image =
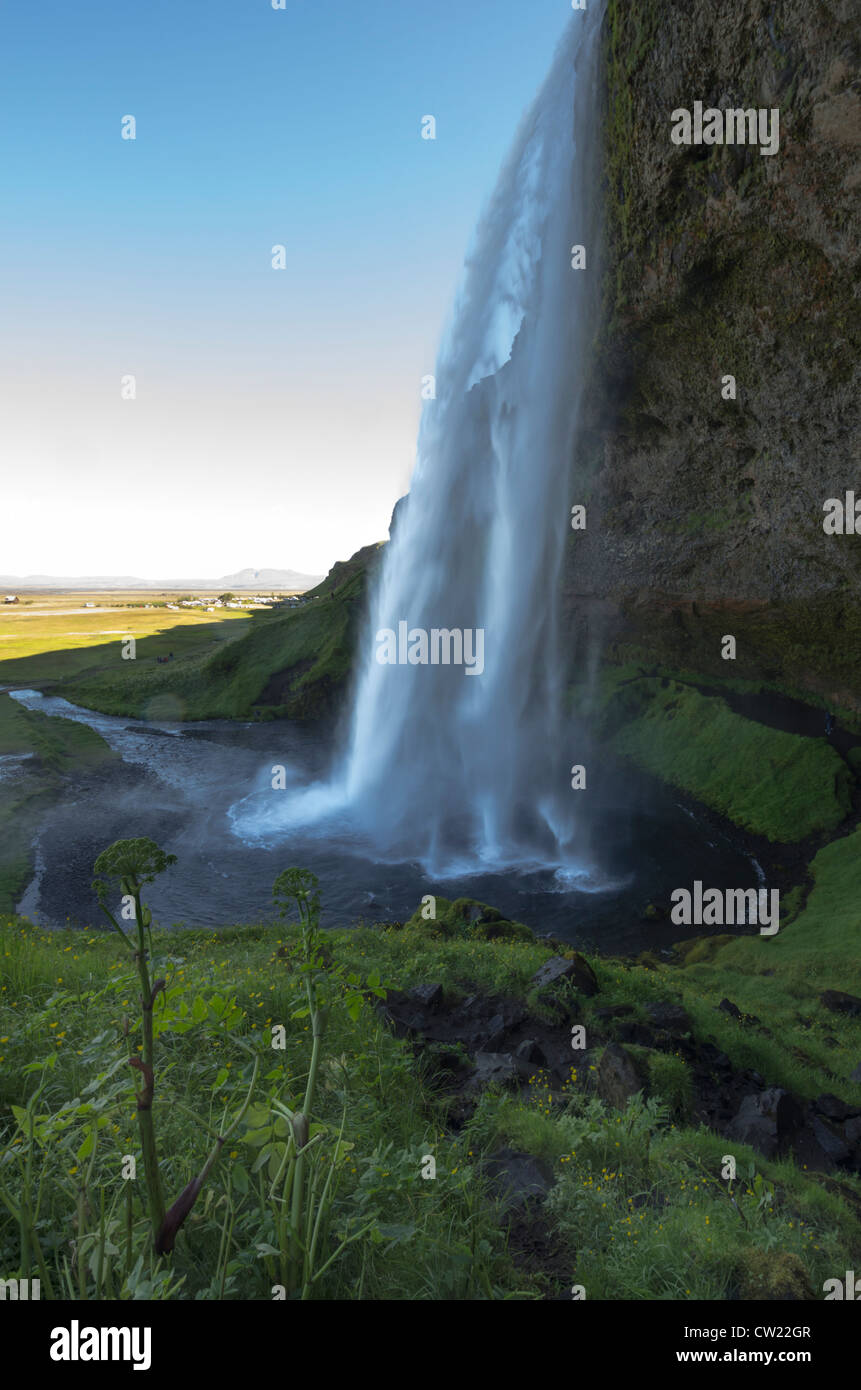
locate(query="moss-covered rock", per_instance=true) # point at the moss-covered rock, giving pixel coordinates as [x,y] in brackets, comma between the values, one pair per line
[705,513]
[773,1275]
[467,917]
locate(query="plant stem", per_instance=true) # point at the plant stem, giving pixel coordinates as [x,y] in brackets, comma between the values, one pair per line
[145,1095]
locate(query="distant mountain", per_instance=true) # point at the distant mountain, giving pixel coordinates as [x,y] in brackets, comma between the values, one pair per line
[243,579]
[266,579]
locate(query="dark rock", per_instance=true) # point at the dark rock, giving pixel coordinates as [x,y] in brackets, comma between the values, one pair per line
[518,1178]
[614,1011]
[576,969]
[766,1120]
[841,1003]
[856,1074]
[852,1130]
[497,1068]
[635,1033]
[728,1007]
[834,1108]
[618,1076]
[428,996]
[529,1051]
[672,1018]
[829,1140]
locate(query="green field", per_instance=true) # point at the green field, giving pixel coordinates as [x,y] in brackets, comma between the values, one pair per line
[46,642]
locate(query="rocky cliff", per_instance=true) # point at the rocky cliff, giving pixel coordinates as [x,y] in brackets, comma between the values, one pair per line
[705,514]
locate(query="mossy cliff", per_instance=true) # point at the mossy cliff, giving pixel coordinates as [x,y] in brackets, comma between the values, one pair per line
[705,514]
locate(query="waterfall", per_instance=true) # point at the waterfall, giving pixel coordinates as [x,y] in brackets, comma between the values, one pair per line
[464,769]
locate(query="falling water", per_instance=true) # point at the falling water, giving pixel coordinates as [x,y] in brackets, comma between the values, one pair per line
[462,769]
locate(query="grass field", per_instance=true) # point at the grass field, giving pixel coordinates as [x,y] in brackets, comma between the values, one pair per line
[50,639]
[53,638]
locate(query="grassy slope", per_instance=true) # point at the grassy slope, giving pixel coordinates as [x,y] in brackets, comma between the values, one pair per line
[638,1204]
[771,783]
[57,747]
[293,664]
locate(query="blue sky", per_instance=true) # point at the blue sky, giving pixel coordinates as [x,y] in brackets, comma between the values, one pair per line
[276,411]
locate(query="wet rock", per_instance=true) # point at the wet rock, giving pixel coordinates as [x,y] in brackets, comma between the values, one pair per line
[766,1120]
[670,1017]
[841,1003]
[618,1076]
[576,969]
[519,1179]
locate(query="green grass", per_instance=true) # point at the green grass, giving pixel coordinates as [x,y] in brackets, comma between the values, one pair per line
[294,665]
[772,783]
[56,747]
[639,1206]
[54,647]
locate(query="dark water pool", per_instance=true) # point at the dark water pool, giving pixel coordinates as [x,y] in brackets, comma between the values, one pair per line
[176,784]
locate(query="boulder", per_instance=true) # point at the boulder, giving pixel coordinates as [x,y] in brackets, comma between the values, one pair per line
[518,1179]
[575,968]
[766,1120]
[670,1017]
[772,1275]
[829,1141]
[834,1108]
[841,1003]
[498,1069]
[427,996]
[618,1076]
[852,1130]
[728,1007]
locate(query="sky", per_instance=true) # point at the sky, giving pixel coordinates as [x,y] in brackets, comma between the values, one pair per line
[275,411]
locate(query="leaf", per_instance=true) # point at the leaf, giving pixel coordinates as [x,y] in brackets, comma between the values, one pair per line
[87,1146]
[275,1157]
[258,1136]
[397,1232]
[240,1178]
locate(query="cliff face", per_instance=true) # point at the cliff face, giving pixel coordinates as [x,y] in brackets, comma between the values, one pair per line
[706,514]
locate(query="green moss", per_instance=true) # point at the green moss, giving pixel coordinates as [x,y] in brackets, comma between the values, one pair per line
[468,919]
[775,1276]
[670,1081]
[772,783]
